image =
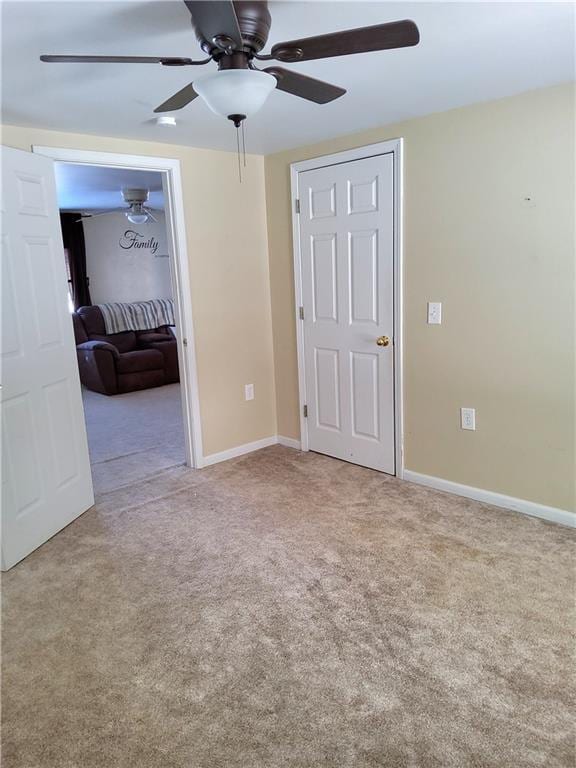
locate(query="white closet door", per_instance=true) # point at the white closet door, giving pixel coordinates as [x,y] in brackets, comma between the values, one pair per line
[347,251]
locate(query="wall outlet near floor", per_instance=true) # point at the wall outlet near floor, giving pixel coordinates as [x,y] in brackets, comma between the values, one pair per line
[434,313]
[468,418]
[249,391]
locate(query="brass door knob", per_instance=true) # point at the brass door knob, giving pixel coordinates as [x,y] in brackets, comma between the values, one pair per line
[383,341]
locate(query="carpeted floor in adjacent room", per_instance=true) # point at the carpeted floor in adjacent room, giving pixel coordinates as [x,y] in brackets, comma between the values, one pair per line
[134,435]
[286,610]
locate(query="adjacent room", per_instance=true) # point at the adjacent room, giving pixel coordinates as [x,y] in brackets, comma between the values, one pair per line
[288,384]
[121,298]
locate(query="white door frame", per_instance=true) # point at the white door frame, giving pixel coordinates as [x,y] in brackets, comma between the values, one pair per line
[394,147]
[176,236]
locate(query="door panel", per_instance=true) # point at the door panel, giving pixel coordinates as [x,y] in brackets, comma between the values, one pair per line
[347,251]
[323,250]
[363,195]
[43,305]
[327,376]
[322,202]
[46,469]
[21,457]
[61,422]
[364,395]
[363,277]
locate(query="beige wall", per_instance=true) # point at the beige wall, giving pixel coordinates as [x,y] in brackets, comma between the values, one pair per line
[227,250]
[504,272]
[505,275]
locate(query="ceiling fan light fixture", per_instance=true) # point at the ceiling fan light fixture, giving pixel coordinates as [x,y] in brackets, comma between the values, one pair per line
[137,218]
[137,214]
[235,91]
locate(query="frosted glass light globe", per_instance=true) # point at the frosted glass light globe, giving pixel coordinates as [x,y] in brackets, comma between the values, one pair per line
[137,218]
[235,91]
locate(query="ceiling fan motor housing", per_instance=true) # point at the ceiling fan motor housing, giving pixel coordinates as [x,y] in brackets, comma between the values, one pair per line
[132,196]
[254,21]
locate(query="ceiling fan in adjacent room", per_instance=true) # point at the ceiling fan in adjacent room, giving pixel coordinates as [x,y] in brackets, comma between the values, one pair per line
[232,34]
[136,213]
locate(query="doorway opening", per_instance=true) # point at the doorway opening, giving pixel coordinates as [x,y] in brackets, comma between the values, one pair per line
[121,297]
[169,169]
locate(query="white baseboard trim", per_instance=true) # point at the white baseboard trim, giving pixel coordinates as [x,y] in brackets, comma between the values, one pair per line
[239,450]
[553,514]
[289,442]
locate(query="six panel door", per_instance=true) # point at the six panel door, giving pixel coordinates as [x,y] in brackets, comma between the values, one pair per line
[347,251]
[46,479]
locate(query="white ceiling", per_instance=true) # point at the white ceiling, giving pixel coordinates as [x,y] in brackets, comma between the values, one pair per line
[468,52]
[92,187]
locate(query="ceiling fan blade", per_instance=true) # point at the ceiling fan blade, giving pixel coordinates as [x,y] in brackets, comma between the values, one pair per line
[304,86]
[216,22]
[395,34]
[179,100]
[91,215]
[167,61]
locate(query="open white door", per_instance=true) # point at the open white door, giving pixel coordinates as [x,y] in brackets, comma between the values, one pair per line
[46,480]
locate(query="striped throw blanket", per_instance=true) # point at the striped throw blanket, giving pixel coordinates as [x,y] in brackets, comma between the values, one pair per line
[137,315]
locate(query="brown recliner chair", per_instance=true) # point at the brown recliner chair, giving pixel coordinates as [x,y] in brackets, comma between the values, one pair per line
[163,340]
[122,362]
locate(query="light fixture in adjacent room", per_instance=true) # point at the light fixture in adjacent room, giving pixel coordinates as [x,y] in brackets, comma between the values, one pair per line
[138,211]
[137,214]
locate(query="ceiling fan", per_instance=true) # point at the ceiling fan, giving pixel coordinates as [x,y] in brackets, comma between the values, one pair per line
[232,34]
[137,212]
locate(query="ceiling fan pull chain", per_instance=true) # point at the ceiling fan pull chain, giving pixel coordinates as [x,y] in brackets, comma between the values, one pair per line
[238,152]
[243,144]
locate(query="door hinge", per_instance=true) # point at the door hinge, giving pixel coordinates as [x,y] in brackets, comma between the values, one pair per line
[297,205]
[185,342]
[301,313]
[305,410]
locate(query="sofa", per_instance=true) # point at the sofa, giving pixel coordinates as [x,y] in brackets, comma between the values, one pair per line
[122,362]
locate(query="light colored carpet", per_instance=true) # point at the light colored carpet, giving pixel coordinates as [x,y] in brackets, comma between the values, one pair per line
[133,436]
[286,610]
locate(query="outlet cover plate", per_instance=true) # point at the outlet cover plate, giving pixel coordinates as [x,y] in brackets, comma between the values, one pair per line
[434,313]
[468,418]
[249,391]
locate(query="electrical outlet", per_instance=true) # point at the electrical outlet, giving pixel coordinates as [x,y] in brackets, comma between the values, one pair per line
[468,418]
[249,391]
[434,313]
